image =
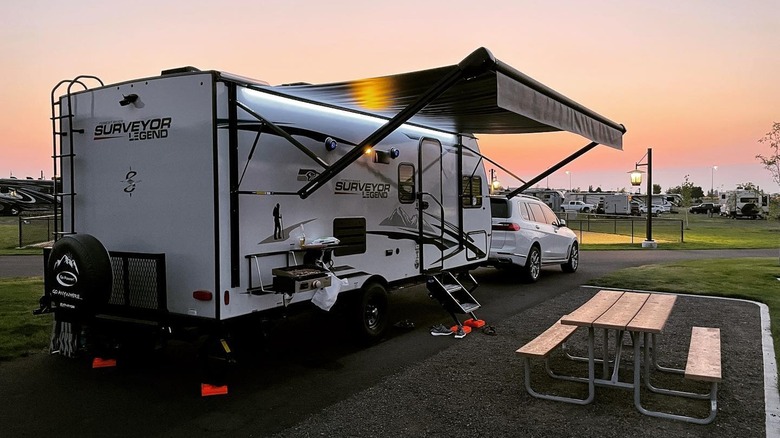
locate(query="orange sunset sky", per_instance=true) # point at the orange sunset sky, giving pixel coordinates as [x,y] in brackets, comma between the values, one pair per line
[696,80]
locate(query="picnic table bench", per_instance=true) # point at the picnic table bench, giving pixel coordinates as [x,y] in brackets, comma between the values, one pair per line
[643,316]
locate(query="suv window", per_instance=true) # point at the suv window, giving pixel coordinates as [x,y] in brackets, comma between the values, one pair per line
[499,207]
[524,211]
[536,212]
[549,216]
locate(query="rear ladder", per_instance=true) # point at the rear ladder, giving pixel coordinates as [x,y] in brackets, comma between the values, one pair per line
[63,154]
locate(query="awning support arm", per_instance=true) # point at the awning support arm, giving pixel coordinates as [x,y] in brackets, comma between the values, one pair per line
[493,163]
[553,169]
[284,135]
[478,62]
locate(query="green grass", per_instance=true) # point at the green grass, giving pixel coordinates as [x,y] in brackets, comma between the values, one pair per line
[748,278]
[22,333]
[9,238]
[699,232]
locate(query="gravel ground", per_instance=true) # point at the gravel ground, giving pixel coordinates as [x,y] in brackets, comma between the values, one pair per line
[476,387]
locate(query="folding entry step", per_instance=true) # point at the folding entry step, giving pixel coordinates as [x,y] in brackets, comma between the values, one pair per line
[454,294]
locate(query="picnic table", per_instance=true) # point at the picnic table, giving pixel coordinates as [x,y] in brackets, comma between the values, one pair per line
[642,316]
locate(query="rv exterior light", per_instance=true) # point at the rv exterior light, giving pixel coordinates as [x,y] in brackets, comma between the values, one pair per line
[127,100]
[368,150]
[394,153]
[330,144]
[203,295]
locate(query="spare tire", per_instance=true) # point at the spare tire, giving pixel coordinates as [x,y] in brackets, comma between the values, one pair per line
[78,275]
[750,209]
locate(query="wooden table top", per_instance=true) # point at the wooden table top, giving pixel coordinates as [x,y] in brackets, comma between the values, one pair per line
[623,310]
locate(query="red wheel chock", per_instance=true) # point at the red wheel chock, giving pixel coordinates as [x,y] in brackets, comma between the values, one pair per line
[207,389]
[474,323]
[99,362]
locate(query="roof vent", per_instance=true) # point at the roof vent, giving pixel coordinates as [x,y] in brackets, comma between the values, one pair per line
[179,70]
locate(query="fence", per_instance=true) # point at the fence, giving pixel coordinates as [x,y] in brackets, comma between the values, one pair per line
[35,229]
[623,229]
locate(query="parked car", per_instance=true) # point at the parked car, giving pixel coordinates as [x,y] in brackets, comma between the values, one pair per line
[527,234]
[577,206]
[655,209]
[706,207]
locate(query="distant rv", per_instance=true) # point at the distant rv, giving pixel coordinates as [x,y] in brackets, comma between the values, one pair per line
[19,196]
[744,203]
[553,198]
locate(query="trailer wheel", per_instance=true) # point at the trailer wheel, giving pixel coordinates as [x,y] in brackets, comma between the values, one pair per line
[574,259]
[79,276]
[371,312]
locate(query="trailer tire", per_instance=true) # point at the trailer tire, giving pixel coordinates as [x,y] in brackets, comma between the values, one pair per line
[370,312]
[78,275]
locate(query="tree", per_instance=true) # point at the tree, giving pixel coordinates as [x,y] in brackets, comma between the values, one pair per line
[656,189]
[748,186]
[772,161]
[688,191]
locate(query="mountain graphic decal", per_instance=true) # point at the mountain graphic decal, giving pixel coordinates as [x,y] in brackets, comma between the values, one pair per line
[400,218]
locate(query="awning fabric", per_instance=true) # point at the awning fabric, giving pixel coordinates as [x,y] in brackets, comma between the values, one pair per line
[500,101]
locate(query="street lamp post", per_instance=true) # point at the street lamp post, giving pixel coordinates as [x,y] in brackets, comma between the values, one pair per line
[636,179]
[569,173]
[712,181]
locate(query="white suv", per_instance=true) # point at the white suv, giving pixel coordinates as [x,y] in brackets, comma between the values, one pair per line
[527,234]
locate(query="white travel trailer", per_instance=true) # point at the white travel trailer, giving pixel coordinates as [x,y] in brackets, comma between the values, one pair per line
[619,203]
[744,203]
[196,198]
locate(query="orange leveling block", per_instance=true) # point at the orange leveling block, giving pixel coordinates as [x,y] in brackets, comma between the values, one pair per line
[466,329]
[99,362]
[474,323]
[208,389]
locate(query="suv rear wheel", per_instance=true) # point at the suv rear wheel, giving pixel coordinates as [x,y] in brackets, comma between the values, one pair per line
[574,259]
[533,265]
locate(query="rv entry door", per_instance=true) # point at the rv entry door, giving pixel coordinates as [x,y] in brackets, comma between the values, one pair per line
[430,208]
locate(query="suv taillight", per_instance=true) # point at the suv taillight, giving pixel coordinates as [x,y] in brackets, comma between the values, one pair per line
[506,226]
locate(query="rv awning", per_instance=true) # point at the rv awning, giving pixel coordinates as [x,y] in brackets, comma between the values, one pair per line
[499,101]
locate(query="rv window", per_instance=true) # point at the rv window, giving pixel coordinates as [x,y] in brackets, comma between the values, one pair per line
[472,192]
[351,232]
[406,183]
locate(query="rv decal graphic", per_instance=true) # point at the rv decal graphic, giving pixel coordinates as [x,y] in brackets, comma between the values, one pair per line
[289,128]
[130,182]
[67,277]
[366,190]
[400,218]
[285,231]
[147,129]
[307,174]
[449,238]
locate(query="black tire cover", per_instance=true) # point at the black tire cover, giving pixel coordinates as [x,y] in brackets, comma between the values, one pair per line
[79,276]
